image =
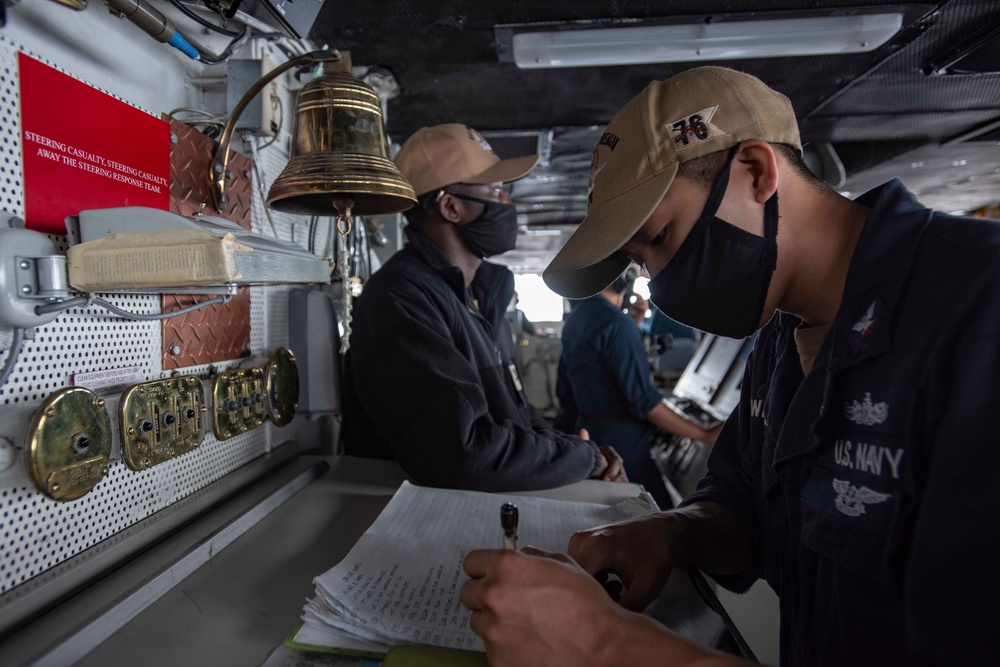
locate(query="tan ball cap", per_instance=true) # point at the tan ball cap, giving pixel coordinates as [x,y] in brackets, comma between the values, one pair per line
[697,112]
[454,153]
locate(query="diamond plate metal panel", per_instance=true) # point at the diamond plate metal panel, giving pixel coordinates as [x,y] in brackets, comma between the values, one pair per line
[190,159]
[221,332]
[214,333]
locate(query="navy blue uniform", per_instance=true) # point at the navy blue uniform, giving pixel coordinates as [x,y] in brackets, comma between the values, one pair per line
[604,386]
[871,488]
[430,381]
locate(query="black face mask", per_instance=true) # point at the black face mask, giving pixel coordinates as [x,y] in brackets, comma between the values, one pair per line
[494,232]
[718,280]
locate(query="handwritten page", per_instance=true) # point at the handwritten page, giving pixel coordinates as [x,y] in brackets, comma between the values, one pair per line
[400,582]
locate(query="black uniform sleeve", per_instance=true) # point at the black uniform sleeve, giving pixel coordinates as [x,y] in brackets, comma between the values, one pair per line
[428,402]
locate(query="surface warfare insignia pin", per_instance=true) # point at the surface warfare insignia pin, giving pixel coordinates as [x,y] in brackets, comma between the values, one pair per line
[863,327]
[851,500]
[693,129]
[865,412]
[871,328]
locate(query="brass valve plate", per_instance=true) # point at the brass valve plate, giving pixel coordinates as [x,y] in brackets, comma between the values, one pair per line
[68,443]
[160,420]
[239,402]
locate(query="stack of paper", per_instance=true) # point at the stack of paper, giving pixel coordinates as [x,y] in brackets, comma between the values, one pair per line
[400,582]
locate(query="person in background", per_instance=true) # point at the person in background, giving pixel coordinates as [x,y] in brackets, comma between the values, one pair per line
[603,385]
[858,474]
[637,308]
[430,378]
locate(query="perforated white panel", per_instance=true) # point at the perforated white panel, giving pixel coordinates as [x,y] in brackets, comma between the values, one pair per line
[11,192]
[37,533]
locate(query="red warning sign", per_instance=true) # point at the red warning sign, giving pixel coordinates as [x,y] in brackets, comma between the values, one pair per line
[83,149]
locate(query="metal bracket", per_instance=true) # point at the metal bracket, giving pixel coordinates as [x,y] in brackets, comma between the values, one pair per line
[225,289]
[43,277]
[30,270]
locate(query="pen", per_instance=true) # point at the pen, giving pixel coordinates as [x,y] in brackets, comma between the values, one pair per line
[508,521]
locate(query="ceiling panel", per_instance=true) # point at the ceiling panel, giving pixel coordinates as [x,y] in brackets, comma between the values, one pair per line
[879,109]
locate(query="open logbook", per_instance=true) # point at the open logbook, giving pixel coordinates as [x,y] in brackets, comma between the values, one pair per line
[399,584]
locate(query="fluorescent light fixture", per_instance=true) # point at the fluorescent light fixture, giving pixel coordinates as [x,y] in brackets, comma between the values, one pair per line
[582,45]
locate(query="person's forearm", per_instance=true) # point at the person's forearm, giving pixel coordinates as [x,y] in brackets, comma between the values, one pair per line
[640,640]
[668,420]
[708,536]
[510,457]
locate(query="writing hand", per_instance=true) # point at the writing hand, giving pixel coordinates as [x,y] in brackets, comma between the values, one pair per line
[537,608]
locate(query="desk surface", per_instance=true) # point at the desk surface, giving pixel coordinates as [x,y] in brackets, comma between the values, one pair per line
[244,601]
[238,606]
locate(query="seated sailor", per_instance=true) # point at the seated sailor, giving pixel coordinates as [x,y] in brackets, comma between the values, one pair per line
[430,378]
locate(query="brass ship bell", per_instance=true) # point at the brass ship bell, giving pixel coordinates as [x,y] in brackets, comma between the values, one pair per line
[340,156]
[340,151]
[340,162]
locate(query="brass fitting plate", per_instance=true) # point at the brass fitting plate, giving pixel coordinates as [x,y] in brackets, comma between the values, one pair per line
[68,443]
[160,420]
[239,402]
[282,386]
